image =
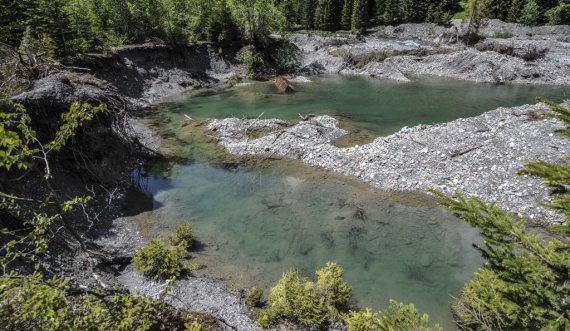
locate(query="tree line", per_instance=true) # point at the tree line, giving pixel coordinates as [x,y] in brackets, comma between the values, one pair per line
[69,27]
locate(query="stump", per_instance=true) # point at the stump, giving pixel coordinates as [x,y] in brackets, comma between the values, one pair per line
[283,85]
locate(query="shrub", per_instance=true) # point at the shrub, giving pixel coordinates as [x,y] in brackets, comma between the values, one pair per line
[252,58]
[195,326]
[253,296]
[183,235]
[503,34]
[155,259]
[30,303]
[297,300]
[397,316]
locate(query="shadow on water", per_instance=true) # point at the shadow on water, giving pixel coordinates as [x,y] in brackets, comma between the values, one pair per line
[256,218]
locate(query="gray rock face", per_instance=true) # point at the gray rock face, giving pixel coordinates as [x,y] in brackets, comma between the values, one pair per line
[476,156]
[512,53]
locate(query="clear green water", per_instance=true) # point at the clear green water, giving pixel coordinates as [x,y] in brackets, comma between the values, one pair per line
[380,106]
[254,225]
[256,222]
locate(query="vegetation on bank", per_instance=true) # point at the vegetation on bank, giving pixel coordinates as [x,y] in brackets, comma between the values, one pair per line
[297,301]
[157,259]
[66,28]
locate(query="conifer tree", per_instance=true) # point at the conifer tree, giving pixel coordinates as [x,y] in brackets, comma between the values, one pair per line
[515,12]
[524,284]
[308,9]
[327,15]
[346,19]
[360,16]
[391,12]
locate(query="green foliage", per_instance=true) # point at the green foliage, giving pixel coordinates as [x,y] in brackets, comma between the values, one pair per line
[360,16]
[252,58]
[157,260]
[297,300]
[327,15]
[183,235]
[195,326]
[31,303]
[220,26]
[531,13]
[346,15]
[524,284]
[397,316]
[559,15]
[253,296]
[257,18]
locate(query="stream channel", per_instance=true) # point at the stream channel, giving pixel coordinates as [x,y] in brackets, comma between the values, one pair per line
[256,219]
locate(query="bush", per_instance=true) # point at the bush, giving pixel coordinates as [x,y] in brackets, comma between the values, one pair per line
[559,15]
[252,58]
[297,300]
[157,260]
[503,34]
[397,316]
[253,297]
[30,303]
[183,236]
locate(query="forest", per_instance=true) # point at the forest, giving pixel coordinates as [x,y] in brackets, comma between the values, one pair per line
[66,28]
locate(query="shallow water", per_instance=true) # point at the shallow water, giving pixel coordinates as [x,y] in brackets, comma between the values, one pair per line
[254,225]
[380,106]
[255,222]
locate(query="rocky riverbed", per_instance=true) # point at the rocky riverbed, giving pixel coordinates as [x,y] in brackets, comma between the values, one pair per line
[476,156]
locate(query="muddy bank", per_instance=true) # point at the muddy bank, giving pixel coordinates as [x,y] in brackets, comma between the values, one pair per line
[476,156]
[511,53]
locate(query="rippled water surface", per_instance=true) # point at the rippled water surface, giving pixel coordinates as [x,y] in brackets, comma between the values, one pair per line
[377,105]
[256,222]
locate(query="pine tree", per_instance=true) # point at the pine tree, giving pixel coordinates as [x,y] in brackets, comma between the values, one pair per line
[531,13]
[524,284]
[515,12]
[346,17]
[392,13]
[13,17]
[308,9]
[360,16]
[327,15]
[48,18]
[380,8]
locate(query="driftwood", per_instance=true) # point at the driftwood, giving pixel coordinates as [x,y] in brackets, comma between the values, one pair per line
[283,85]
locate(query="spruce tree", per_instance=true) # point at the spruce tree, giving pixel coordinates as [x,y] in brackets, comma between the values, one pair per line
[327,15]
[391,12]
[531,13]
[524,284]
[380,8]
[515,12]
[346,19]
[48,19]
[13,17]
[308,9]
[360,16]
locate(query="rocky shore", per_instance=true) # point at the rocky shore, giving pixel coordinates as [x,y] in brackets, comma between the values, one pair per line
[476,156]
[511,53]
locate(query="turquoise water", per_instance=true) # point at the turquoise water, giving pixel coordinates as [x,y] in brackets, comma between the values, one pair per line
[254,225]
[377,105]
[257,221]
